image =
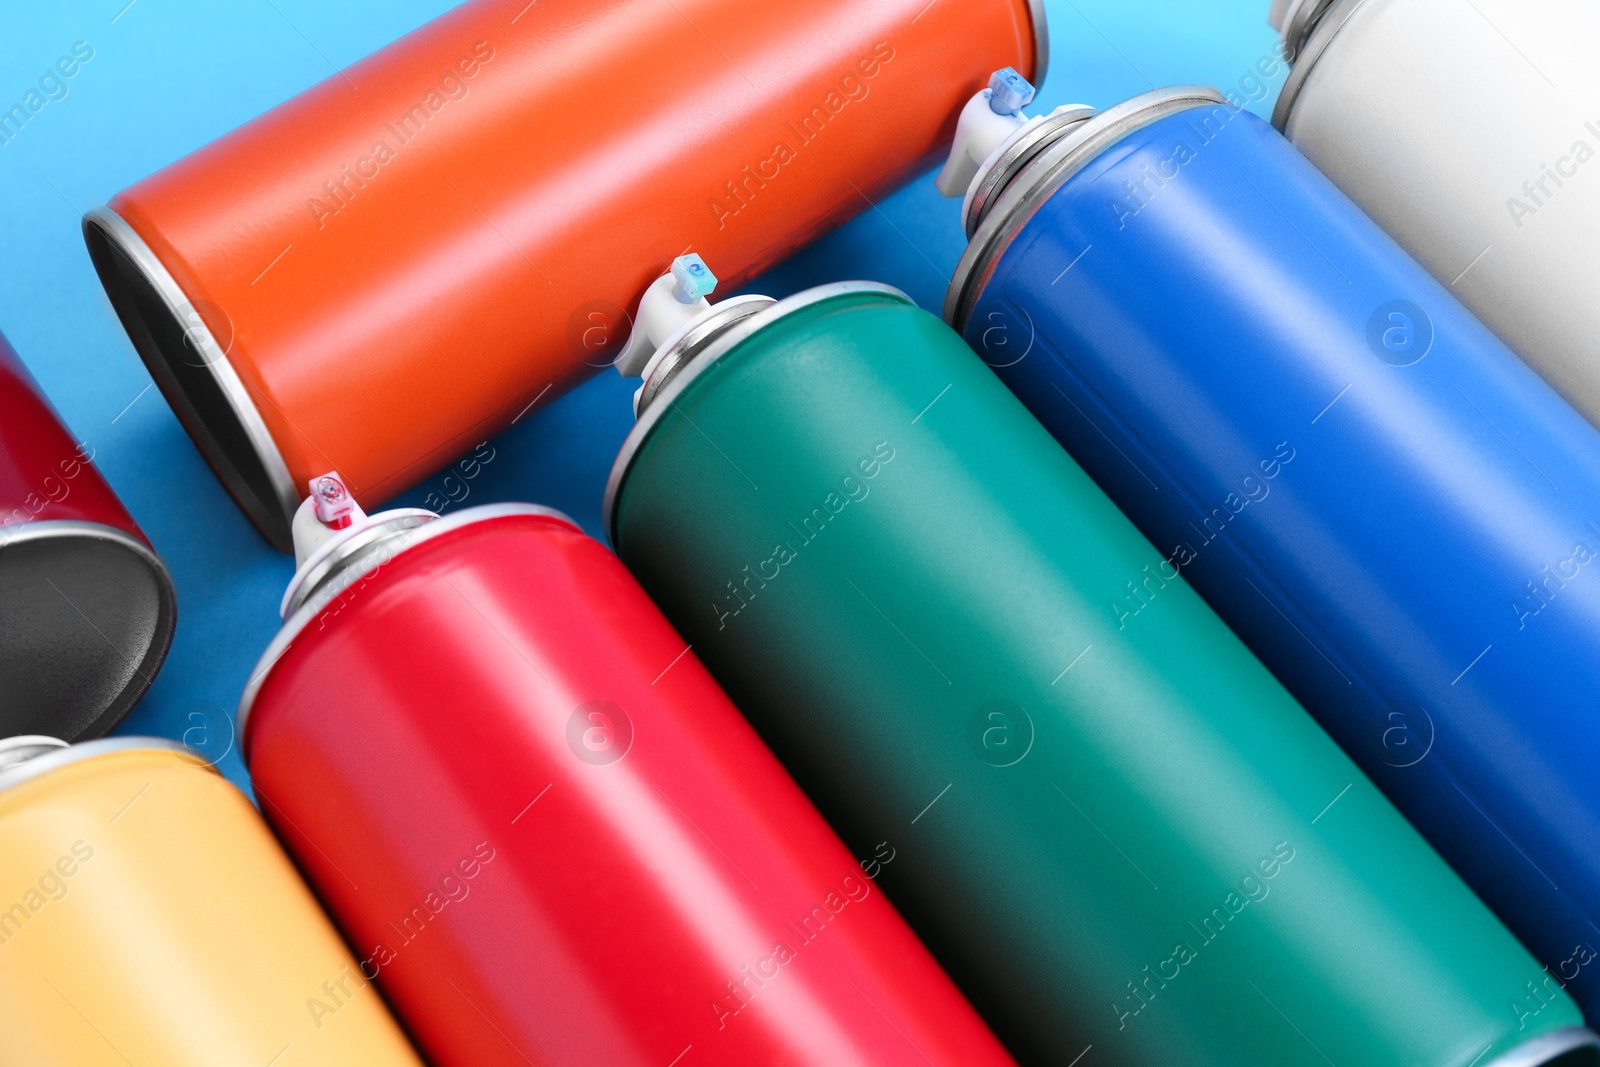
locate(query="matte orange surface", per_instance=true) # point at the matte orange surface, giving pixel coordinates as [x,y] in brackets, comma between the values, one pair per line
[147,916]
[412,252]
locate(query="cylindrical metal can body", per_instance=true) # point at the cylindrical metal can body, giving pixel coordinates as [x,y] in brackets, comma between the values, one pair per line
[1124,838]
[398,262]
[1468,131]
[149,917]
[1388,506]
[554,840]
[87,609]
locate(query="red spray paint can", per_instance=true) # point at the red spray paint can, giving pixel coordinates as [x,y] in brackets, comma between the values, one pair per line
[547,833]
[86,607]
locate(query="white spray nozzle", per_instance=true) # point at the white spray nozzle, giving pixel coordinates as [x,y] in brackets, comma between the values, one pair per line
[988,120]
[671,303]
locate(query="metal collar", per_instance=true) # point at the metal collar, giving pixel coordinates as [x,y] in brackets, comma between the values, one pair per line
[1300,23]
[1309,34]
[56,758]
[372,552]
[665,365]
[1548,1048]
[344,553]
[1075,148]
[714,348]
[1015,157]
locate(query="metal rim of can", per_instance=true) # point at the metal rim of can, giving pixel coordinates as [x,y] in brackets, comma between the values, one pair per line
[1016,156]
[720,345]
[338,555]
[166,612]
[15,751]
[40,766]
[1547,1048]
[358,566]
[1301,22]
[1314,34]
[205,396]
[1075,149]
[1041,40]
[665,364]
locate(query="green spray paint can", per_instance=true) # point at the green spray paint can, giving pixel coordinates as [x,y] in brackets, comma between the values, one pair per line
[1120,835]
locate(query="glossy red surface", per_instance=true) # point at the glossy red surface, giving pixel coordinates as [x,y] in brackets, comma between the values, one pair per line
[532,884]
[45,473]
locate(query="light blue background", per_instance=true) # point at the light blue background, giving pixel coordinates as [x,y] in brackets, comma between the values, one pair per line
[169,75]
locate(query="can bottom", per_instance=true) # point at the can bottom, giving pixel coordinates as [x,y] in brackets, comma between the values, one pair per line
[86,617]
[191,367]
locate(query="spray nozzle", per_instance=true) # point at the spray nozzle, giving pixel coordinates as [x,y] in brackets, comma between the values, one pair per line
[694,280]
[989,119]
[671,303]
[328,519]
[1009,92]
[334,504]
[325,514]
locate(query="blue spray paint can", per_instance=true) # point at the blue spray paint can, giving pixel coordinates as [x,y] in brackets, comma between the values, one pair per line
[1397,515]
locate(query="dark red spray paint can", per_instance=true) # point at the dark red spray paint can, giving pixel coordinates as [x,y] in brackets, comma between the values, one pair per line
[547,833]
[86,607]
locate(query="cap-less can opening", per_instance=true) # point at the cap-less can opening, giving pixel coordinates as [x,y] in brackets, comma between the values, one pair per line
[86,617]
[190,365]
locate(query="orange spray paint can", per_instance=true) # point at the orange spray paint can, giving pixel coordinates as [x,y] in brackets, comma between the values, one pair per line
[403,259]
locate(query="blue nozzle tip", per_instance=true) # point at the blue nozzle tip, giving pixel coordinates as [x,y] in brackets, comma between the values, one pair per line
[1009,92]
[694,278]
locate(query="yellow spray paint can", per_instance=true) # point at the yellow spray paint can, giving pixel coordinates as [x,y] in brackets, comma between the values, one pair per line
[148,917]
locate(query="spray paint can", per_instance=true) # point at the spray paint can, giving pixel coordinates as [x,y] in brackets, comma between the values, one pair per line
[86,607]
[1126,843]
[1389,507]
[147,916]
[300,288]
[1468,131]
[545,829]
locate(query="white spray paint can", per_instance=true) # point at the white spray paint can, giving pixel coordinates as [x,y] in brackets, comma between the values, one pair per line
[1470,130]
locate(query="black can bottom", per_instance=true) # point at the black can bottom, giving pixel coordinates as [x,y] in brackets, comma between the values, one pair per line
[86,618]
